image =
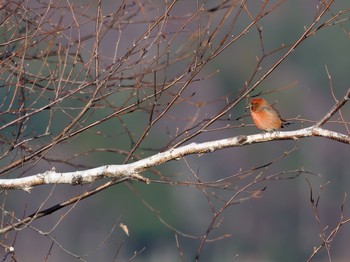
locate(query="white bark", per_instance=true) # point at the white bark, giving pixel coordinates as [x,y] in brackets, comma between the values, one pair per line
[132,171]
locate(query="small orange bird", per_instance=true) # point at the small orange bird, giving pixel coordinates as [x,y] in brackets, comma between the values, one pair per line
[265,117]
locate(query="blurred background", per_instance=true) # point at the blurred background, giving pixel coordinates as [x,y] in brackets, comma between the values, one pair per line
[279,225]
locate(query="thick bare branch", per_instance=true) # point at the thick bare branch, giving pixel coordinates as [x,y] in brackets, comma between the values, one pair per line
[132,170]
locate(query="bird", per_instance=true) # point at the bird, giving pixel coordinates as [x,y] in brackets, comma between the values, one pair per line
[265,116]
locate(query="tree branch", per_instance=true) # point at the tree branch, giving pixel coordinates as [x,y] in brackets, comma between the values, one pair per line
[334,109]
[132,171]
